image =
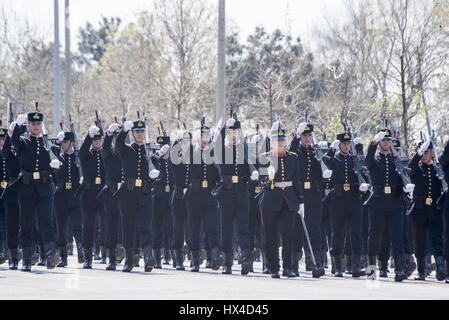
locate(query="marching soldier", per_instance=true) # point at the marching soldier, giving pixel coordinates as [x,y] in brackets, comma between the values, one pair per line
[426,216]
[134,195]
[311,180]
[346,205]
[385,205]
[444,161]
[66,204]
[34,189]
[280,200]
[3,183]
[202,207]
[232,193]
[92,165]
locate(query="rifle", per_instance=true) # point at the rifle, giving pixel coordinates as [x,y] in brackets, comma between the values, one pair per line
[164,133]
[440,169]
[99,125]
[75,145]
[319,152]
[47,143]
[148,149]
[11,114]
[357,162]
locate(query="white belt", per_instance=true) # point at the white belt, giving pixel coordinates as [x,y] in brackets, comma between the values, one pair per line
[283,184]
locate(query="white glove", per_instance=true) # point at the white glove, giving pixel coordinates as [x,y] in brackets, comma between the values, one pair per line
[180,134]
[275,126]
[128,125]
[21,119]
[92,131]
[61,136]
[154,174]
[230,122]
[255,175]
[327,174]
[13,126]
[113,127]
[301,128]
[81,180]
[379,136]
[164,149]
[301,210]
[335,144]
[424,148]
[271,172]
[409,188]
[55,164]
[364,187]
[357,140]
[323,144]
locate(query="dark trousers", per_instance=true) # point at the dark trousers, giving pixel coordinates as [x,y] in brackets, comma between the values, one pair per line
[392,221]
[203,214]
[325,227]
[32,204]
[312,218]
[346,217]
[233,209]
[2,219]
[428,222]
[12,215]
[255,224]
[161,213]
[65,210]
[179,213]
[92,211]
[275,224]
[446,234]
[136,210]
[112,222]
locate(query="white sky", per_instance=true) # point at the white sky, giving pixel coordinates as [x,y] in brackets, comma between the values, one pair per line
[296,16]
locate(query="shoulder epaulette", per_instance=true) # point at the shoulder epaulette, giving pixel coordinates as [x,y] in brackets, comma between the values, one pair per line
[291,153]
[265,153]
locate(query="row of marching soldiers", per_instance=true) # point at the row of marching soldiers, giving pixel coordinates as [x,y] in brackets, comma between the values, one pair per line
[207,190]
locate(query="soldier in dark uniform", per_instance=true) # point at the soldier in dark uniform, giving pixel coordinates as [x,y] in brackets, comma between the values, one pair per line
[134,195]
[426,215]
[280,201]
[9,197]
[385,205]
[202,207]
[181,169]
[3,183]
[66,204]
[34,188]
[311,180]
[114,179]
[444,161]
[161,199]
[346,204]
[92,165]
[232,193]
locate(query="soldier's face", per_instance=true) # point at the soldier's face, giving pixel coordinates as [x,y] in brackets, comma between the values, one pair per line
[205,138]
[427,157]
[97,143]
[2,143]
[345,146]
[185,145]
[233,136]
[385,145]
[67,146]
[139,136]
[35,128]
[279,146]
[306,139]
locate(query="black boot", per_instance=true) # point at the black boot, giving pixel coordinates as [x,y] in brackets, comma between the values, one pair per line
[51,254]
[333,265]
[136,258]
[208,259]
[63,253]
[196,259]
[295,263]
[166,256]
[399,269]
[157,256]
[2,252]
[42,260]
[34,255]
[228,260]
[179,258]
[247,262]
[87,254]
[357,270]
[265,269]
[120,253]
[318,269]
[13,259]
[97,256]
[216,258]
[148,258]
[129,260]
[348,264]
[421,269]
[173,258]
[441,274]
[324,259]
[338,267]
[104,255]
[112,265]
[79,252]
[409,264]
[447,271]
[26,259]
[383,269]
[372,267]
[309,263]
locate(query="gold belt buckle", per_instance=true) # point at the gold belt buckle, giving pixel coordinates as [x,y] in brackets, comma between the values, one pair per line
[119,184]
[387,190]
[326,192]
[429,201]
[235,179]
[167,188]
[307,185]
[36,175]
[346,187]
[4,184]
[205,184]
[138,183]
[97,180]
[257,190]
[68,185]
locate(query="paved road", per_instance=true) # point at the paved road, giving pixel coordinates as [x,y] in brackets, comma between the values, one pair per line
[75,283]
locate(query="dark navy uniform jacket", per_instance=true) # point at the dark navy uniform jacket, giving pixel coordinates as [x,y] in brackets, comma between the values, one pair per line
[383,173]
[425,178]
[287,170]
[181,172]
[92,164]
[68,172]
[33,157]
[112,163]
[166,176]
[444,160]
[9,155]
